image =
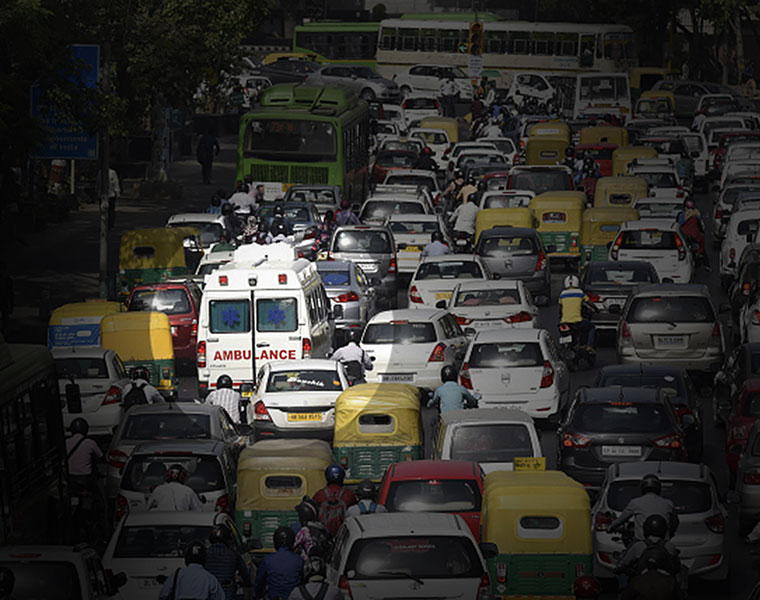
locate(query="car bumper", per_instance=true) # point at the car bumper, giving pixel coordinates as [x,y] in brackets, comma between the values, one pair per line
[708,363]
[592,476]
[429,378]
[605,320]
[539,406]
[266,430]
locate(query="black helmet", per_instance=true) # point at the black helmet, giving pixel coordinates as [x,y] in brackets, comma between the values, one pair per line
[335,474]
[569,152]
[315,569]
[365,490]
[79,425]
[283,537]
[219,533]
[278,210]
[195,553]
[227,209]
[658,558]
[307,510]
[482,186]
[471,180]
[436,236]
[139,373]
[7,581]
[458,174]
[224,381]
[277,228]
[176,473]
[651,483]
[655,525]
[448,373]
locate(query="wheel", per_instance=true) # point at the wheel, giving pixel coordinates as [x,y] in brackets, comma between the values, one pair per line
[368,95]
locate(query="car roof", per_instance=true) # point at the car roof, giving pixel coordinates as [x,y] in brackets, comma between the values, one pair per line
[432,218]
[408,314]
[169,517]
[443,469]
[487,415]
[661,224]
[84,351]
[170,407]
[671,289]
[508,335]
[643,369]
[430,95]
[490,284]
[619,393]
[451,258]
[321,364]
[663,469]
[183,446]
[407,524]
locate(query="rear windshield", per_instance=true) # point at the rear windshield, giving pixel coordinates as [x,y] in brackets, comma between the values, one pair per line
[689,497]
[506,354]
[401,145]
[411,227]
[674,386]
[171,301]
[401,160]
[671,309]
[399,333]
[335,278]
[434,495]
[648,239]
[751,406]
[369,242]
[732,193]
[622,417]
[504,145]
[658,209]
[747,227]
[167,427]
[497,183]
[492,246]
[599,153]
[450,269]
[598,274]
[210,232]
[315,196]
[81,368]
[421,557]
[707,128]
[158,541]
[420,104]
[514,201]
[294,214]
[143,473]
[664,146]
[38,579]
[660,180]
[304,381]
[489,297]
[491,443]
[540,181]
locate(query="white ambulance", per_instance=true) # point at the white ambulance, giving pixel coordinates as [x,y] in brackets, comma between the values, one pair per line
[263,306]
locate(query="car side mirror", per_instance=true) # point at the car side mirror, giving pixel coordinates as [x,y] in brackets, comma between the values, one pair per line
[615,309]
[73,398]
[245,429]
[440,304]
[489,550]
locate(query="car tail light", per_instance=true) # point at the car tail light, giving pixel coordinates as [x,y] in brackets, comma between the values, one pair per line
[113,396]
[750,478]
[464,376]
[310,234]
[681,248]
[484,589]
[414,295]
[716,330]
[117,459]
[574,440]
[716,523]
[606,557]
[222,504]
[260,412]
[305,348]
[594,298]
[732,254]
[669,441]
[392,265]
[201,356]
[349,297]
[194,328]
[602,522]
[464,320]
[616,247]
[624,330]
[718,214]
[345,587]
[439,353]
[120,508]
[541,261]
[547,376]
[521,317]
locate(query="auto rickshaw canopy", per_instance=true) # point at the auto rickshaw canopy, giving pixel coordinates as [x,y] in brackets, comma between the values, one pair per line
[156,247]
[137,336]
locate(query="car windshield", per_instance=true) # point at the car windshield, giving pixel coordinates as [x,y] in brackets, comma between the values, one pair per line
[167,426]
[507,245]
[415,557]
[210,232]
[654,209]
[420,104]
[507,201]
[310,380]
[396,159]
[599,274]
[335,278]
[671,309]
[290,139]
[168,301]
[621,417]
[412,227]
[689,497]
[708,127]
[435,138]
[158,541]
[501,442]
[497,355]
[379,210]
[489,297]
[434,495]
[44,580]
[497,183]
[670,384]
[420,180]
[399,332]
[293,213]
[751,406]
[503,145]
[672,146]
[315,196]
[731,194]
[144,472]
[659,179]
[541,181]
[449,269]
[81,368]
[362,241]
[411,146]
[648,239]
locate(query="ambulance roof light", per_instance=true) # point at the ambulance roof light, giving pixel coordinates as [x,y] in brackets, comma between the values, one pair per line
[223,280]
[282,278]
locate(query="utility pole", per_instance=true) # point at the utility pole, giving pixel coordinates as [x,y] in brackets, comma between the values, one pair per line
[104,159]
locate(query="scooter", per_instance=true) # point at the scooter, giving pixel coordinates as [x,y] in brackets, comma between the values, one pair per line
[577,356]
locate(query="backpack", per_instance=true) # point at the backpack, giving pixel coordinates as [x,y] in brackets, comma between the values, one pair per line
[653,548]
[353,370]
[332,511]
[364,510]
[321,542]
[136,395]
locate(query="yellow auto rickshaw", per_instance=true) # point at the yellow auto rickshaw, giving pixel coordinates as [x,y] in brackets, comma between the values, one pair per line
[599,228]
[517,216]
[451,126]
[545,150]
[643,78]
[553,129]
[655,105]
[78,323]
[540,523]
[603,134]
[558,221]
[272,478]
[619,192]
[376,424]
[155,254]
[143,339]
[622,157]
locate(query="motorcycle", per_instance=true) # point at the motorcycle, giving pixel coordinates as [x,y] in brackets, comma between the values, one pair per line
[577,356]
[463,242]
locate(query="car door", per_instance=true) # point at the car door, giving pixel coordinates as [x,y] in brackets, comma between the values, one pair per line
[454,339]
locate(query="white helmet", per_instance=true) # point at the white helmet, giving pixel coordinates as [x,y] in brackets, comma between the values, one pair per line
[572,281]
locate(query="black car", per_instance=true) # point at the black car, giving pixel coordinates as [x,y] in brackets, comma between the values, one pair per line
[616,424]
[678,387]
[741,364]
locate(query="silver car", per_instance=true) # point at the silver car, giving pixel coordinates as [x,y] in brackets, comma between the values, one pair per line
[349,287]
[324,197]
[360,79]
[748,480]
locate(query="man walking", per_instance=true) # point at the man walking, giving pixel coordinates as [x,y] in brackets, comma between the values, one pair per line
[205,153]
[449,93]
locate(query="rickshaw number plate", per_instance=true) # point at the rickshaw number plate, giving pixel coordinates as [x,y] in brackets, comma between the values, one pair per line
[397,378]
[442,295]
[304,416]
[621,450]
[565,339]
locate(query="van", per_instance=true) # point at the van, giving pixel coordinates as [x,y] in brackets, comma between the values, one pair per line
[263,306]
[741,230]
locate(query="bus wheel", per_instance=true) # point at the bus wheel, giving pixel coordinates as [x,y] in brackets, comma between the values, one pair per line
[368,95]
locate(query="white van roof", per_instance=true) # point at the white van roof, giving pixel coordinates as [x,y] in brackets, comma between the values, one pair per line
[262,275]
[252,253]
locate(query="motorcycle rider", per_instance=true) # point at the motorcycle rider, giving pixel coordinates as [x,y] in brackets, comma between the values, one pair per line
[224,563]
[436,247]
[656,534]
[334,499]
[469,188]
[425,160]
[315,586]
[345,215]
[655,582]
[569,160]
[173,494]
[82,455]
[650,502]
[366,493]
[571,301]
[455,185]
[226,397]
[450,395]
[464,217]
[279,572]
[194,581]
[690,220]
[354,359]
[312,537]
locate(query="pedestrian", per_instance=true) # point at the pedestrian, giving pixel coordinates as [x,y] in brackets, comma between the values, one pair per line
[205,153]
[6,297]
[450,395]
[226,397]
[224,563]
[173,494]
[281,571]
[314,586]
[449,91]
[258,194]
[334,499]
[194,581]
[366,492]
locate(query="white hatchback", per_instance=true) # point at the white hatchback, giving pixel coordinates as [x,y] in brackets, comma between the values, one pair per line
[437,276]
[419,106]
[741,230]
[481,305]
[411,234]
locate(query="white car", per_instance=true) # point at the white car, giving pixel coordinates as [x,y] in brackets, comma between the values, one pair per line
[437,276]
[659,207]
[412,346]
[101,378]
[414,177]
[211,262]
[662,180]
[481,305]
[411,234]
[385,129]
[658,241]
[376,210]
[517,368]
[724,206]
[428,78]
[393,112]
[493,158]
[435,139]
[212,227]
[296,398]
[506,199]
[504,145]
[470,146]
[419,106]
[741,230]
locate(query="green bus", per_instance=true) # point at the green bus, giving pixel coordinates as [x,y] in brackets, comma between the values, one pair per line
[335,42]
[307,135]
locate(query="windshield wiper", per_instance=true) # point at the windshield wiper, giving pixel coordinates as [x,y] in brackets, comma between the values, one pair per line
[402,574]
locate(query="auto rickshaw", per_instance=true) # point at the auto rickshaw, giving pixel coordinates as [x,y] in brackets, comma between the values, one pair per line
[78,323]
[643,78]
[603,134]
[272,478]
[623,156]
[599,228]
[488,218]
[601,152]
[540,522]
[451,126]
[376,424]
[558,217]
[651,106]
[275,56]
[155,254]
[143,339]
[619,192]
[553,129]
[545,150]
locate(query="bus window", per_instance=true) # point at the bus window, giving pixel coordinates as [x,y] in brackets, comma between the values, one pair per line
[587,50]
[543,43]
[429,40]
[300,140]
[408,38]
[567,44]
[448,40]
[618,46]
[518,42]
[495,42]
[388,38]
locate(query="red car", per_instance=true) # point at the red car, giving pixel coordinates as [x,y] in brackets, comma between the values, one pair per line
[602,155]
[181,302]
[744,412]
[389,160]
[453,486]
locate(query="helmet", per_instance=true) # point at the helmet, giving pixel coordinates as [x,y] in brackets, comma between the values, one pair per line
[365,490]
[227,209]
[352,336]
[569,152]
[436,236]
[283,537]
[482,186]
[587,586]
[139,373]
[471,180]
[651,483]
[655,525]
[220,534]
[176,473]
[458,174]
[7,581]
[79,425]
[335,474]
[427,151]
[572,281]
[689,203]
[307,510]
[448,373]
[277,228]
[315,569]
[223,381]
[278,211]
[658,558]
[195,553]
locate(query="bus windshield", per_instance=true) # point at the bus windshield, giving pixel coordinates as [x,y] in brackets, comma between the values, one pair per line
[294,140]
[610,87]
[619,45]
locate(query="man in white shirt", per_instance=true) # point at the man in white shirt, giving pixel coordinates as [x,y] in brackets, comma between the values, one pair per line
[449,91]
[242,199]
[226,397]
[464,216]
[436,247]
[354,358]
[174,494]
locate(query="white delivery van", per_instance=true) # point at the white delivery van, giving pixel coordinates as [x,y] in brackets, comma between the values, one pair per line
[263,306]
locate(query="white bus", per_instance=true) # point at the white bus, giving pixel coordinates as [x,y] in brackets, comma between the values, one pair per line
[508,46]
[602,93]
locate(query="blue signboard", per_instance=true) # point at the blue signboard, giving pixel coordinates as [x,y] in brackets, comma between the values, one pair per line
[67,139]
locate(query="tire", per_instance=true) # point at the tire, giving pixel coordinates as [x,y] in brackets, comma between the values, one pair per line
[368,95]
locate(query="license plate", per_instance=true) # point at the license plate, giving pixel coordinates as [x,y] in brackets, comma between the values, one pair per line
[614,302]
[149,582]
[621,450]
[368,267]
[411,249]
[565,339]
[402,378]
[301,417]
[670,341]
[247,393]
[442,295]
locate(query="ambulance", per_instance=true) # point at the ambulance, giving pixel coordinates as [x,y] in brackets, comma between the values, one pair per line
[265,305]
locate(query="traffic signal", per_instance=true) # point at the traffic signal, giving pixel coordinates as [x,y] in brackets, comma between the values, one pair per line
[476,38]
